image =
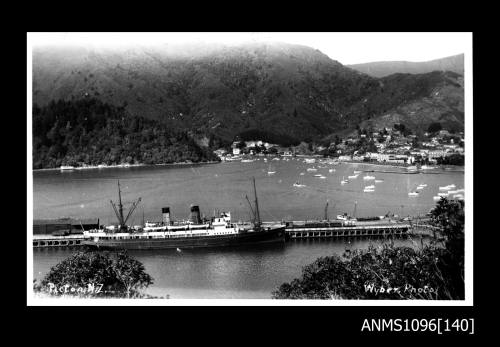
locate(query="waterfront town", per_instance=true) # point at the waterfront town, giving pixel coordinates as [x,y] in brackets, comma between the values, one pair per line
[395,146]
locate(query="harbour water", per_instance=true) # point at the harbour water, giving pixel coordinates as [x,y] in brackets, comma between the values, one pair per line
[241,272]
[223,273]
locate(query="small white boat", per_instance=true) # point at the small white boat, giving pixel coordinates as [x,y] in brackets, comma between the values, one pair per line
[444,188]
[411,168]
[412,194]
[423,185]
[322,177]
[310,160]
[318,175]
[442,194]
[368,190]
[352,176]
[271,172]
[436,198]
[452,186]
[368,177]
[379,181]
[247,160]
[298,184]
[426,167]
[357,171]
[331,170]
[276,158]
[312,169]
[420,188]
[67,167]
[302,173]
[370,187]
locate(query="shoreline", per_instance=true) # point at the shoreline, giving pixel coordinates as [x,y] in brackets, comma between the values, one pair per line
[439,168]
[122,166]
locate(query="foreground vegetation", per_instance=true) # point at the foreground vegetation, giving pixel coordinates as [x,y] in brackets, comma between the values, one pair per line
[90,132]
[96,274]
[432,271]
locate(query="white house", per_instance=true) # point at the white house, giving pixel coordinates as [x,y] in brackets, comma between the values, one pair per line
[253,143]
[345,158]
[436,153]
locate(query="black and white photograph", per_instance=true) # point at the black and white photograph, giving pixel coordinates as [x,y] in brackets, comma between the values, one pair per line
[249,168]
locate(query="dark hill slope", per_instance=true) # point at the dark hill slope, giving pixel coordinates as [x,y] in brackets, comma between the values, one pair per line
[225,90]
[444,104]
[90,132]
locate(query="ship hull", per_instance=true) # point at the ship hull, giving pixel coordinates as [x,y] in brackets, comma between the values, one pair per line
[247,238]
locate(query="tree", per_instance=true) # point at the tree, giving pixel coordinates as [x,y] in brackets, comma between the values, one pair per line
[131,273]
[272,150]
[454,159]
[434,127]
[415,142]
[119,275]
[449,216]
[241,145]
[371,147]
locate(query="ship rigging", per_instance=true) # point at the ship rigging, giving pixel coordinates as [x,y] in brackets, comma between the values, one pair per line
[122,222]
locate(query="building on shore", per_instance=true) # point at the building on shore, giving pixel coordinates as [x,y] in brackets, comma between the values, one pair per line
[68,225]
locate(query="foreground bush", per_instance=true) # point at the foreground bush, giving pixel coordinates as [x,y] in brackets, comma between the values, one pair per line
[96,274]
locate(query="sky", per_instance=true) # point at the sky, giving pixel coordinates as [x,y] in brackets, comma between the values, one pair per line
[347,48]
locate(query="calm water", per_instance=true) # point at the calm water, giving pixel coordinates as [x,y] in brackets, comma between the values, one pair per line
[229,273]
[224,273]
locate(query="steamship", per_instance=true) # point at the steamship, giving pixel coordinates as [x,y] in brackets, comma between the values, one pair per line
[197,232]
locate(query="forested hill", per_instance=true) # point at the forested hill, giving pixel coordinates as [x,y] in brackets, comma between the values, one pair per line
[290,91]
[88,131]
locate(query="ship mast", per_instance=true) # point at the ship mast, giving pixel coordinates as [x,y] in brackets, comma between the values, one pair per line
[257,213]
[119,212]
[120,205]
[326,210]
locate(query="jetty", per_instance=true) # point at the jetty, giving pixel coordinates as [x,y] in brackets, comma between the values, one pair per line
[293,230]
[52,241]
[296,230]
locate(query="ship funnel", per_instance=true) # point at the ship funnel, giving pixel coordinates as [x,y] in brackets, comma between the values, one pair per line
[166,215]
[195,215]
